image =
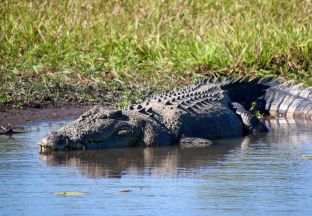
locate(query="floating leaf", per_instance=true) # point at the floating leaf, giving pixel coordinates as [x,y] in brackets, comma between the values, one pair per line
[308,156]
[69,193]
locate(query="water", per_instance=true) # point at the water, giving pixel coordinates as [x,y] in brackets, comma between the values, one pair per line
[267,175]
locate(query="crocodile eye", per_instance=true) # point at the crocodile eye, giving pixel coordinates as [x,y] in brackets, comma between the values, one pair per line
[124,132]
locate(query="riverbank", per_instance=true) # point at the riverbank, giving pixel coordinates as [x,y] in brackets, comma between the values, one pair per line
[26,116]
[86,52]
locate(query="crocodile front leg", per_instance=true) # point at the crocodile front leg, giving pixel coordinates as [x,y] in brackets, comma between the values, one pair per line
[252,125]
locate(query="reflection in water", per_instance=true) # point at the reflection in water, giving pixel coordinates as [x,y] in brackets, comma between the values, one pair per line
[263,175]
[171,161]
[168,161]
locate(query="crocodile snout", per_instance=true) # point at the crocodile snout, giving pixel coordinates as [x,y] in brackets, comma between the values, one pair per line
[51,142]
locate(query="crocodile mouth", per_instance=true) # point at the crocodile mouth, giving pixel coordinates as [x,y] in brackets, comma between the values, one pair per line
[43,149]
[48,143]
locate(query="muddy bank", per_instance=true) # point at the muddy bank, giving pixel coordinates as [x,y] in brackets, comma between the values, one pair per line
[23,117]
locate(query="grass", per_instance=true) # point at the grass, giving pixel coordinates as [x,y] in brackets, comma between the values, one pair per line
[87,51]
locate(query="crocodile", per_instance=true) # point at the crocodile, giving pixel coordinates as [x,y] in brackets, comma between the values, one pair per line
[207,110]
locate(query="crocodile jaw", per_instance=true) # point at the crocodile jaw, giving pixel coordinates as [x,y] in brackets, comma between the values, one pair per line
[51,142]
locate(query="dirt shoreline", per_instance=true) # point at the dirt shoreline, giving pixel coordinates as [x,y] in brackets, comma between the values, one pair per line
[27,116]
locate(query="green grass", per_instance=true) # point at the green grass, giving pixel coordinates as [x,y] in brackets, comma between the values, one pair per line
[79,50]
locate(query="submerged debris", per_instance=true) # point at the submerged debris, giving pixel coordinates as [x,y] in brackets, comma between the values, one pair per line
[125,191]
[69,193]
[10,130]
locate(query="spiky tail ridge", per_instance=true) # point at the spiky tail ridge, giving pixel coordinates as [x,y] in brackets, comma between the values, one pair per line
[272,96]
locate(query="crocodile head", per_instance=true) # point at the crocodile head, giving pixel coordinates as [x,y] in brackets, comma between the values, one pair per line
[96,129]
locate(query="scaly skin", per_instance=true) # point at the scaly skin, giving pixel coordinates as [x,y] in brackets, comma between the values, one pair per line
[209,109]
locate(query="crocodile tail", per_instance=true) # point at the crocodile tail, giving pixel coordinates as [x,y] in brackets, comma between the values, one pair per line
[289,99]
[272,96]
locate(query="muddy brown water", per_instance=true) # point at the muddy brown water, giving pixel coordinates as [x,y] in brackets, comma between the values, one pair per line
[267,175]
